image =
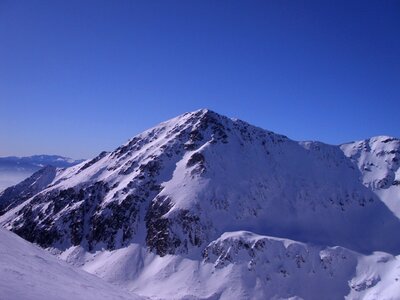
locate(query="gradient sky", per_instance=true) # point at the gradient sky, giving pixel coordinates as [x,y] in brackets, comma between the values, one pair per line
[79,77]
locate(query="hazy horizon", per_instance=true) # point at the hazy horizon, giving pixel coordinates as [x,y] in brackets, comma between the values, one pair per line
[115,146]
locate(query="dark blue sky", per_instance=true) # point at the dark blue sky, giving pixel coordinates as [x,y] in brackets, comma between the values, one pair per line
[78,77]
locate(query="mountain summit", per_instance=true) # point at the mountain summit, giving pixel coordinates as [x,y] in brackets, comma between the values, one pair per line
[206,194]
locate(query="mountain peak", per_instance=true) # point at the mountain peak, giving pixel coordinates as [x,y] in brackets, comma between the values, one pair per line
[176,190]
[200,115]
[202,111]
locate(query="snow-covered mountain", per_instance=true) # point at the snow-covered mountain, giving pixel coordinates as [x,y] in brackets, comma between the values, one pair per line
[15,169]
[218,208]
[378,160]
[30,273]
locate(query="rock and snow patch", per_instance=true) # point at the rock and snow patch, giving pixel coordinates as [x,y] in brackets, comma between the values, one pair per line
[378,160]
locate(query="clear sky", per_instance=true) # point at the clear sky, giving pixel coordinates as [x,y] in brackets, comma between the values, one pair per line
[79,77]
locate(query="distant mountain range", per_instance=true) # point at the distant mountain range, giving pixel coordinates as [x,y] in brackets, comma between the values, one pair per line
[14,169]
[203,206]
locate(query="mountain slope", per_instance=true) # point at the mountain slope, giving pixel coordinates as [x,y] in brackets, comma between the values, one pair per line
[243,265]
[17,194]
[378,160]
[30,273]
[169,194]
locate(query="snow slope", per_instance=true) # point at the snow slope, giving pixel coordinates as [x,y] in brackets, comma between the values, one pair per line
[378,160]
[146,214]
[244,265]
[30,273]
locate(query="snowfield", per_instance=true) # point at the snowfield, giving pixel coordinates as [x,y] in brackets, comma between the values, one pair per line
[30,273]
[243,265]
[207,207]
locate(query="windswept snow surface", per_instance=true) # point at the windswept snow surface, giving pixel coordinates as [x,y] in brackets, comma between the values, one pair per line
[207,207]
[30,273]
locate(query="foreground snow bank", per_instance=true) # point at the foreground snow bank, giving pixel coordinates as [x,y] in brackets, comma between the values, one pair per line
[29,273]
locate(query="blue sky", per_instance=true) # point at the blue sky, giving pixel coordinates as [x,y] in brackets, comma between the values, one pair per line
[79,77]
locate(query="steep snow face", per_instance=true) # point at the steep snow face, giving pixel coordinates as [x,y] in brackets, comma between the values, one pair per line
[378,160]
[185,182]
[30,273]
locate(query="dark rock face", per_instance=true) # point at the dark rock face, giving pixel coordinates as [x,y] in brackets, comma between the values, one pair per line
[62,215]
[159,237]
[81,217]
[175,233]
[196,158]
